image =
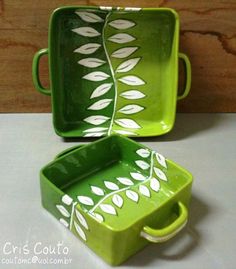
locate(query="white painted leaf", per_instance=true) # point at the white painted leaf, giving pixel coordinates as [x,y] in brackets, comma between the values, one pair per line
[80,231]
[161,160]
[121,24]
[63,211]
[133,8]
[127,65]
[96,120]
[124,132]
[154,184]
[98,191]
[88,16]
[137,176]
[98,217]
[81,219]
[86,31]
[117,200]
[111,186]
[100,104]
[66,199]
[105,8]
[145,153]
[91,62]
[121,38]
[108,209]
[95,129]
[101,90]
[131,109]
[126,181]
[64,222]
[85,200]
[142,164]
[123,52]
[88,48]
[132,195]
[160,174]
[96,76]
[127,123]
[132,80]
[144,190]
[132,95]
[94,134]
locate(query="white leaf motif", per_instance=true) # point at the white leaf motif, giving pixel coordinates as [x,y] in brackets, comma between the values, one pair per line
[133,8]
[96,120]
[94,134]
[132,95]
[121,38]
[143,165]
[63,211]
[66,199]
[80,231]
[132,195]
[81,219]
[127,65]
[86,31]
[144,190]
[85,200]
[127,123]
[117,200]
[145,153]
[100,104]
[64,222]
[98,191]
[101,90]
[95,129]
[121,24]
[97,216]
[132,80]
[108,209]
[96,76]
[91,62]
[105,8]
[154,184]
[131,109]
[160,174]
[137,176]
[124,132]
[123,52]
[161,160]
[88,48]
[111,186]
[89,16]
[126,181]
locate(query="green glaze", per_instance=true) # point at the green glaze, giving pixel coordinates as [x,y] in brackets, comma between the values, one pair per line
[116,195]
[113,71]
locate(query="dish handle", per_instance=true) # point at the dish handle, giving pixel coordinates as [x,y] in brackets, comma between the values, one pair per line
[67,151]
[166,233]
[35,72]
[187,67]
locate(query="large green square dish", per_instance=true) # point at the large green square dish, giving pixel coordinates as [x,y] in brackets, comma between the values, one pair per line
[116,195]
[113,70]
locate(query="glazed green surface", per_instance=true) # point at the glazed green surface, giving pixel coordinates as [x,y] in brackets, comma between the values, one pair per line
[152,67]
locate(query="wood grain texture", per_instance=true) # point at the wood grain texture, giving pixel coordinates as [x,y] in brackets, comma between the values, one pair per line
[208,37]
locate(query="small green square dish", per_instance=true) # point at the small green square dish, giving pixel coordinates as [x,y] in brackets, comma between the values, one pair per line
[113,70]
[116,195]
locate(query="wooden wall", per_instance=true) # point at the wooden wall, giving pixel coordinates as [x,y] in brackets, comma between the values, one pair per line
[208,36]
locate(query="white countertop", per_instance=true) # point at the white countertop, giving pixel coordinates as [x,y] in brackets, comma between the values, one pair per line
[205,144]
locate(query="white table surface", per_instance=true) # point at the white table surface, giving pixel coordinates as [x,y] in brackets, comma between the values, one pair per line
[205,144]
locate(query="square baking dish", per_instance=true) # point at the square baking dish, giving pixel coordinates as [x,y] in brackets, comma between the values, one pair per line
[113,70]
[116,195]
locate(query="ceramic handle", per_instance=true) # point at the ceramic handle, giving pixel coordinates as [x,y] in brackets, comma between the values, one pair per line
[166,233]
[35,72]
[187,67]
[67,151]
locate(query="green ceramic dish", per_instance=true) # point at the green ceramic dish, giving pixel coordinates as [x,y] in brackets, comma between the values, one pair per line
[113,70]
[116,195]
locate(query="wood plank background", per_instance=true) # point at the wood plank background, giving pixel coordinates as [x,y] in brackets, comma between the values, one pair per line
[208,36]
